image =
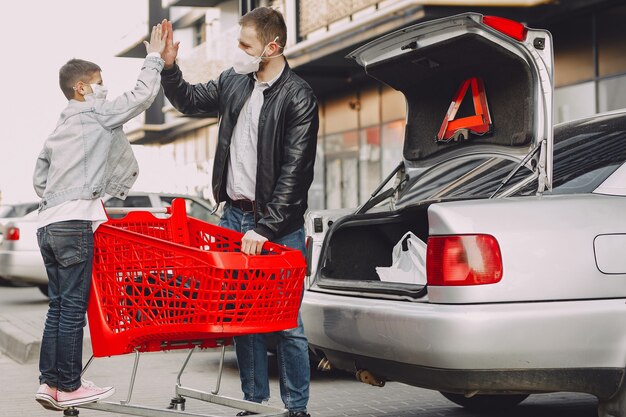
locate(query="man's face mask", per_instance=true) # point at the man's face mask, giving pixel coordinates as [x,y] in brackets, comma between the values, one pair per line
[246,64]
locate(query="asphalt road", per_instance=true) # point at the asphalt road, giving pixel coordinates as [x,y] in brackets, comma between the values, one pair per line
[332,394]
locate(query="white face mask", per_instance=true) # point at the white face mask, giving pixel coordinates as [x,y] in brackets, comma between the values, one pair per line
[246,64]
[99,91]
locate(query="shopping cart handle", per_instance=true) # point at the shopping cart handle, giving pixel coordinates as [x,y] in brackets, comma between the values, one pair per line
[126,210]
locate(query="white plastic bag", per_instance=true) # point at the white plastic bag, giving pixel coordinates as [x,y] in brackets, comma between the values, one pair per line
[408,266]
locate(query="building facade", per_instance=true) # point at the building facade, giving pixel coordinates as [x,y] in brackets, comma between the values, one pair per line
[361,120]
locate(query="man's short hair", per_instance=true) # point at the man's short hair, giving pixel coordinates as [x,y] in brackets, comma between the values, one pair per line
[268,23]
[73,71]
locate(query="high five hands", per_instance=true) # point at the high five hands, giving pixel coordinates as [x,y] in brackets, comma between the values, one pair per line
[170,51]
[158,38]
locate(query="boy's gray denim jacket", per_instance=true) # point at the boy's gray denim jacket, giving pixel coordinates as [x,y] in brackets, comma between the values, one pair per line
[88,154]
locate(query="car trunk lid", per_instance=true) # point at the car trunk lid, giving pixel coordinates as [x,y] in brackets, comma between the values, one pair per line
[506,70]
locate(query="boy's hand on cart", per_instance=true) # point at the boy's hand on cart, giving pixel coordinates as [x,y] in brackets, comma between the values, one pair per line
[252,243]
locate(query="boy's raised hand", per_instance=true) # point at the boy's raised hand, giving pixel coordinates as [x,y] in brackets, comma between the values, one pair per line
[171,47]
[158,38]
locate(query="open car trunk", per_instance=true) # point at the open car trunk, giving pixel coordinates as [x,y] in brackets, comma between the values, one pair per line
[431,62]
[358,244]
[475,86]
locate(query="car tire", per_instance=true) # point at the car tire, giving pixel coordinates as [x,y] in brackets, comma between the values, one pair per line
[43,289]
[614,406]
[485,402]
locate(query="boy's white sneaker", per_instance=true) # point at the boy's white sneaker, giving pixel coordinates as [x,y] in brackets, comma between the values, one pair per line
[87,393]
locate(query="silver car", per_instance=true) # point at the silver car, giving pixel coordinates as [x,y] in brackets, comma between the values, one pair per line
[523,227]
[21,261]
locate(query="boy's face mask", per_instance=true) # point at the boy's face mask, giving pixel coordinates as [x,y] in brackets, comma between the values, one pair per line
[246,64]
[99,91]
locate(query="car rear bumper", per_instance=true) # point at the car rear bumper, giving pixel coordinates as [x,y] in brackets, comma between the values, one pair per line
[23,266]
[515,336]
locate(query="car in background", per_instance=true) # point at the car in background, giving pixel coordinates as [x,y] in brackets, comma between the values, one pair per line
[17,210]
[7,213]
[21,261]
[523,225]
[10,211]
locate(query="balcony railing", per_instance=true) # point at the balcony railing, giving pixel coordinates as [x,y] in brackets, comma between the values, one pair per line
[314,15]
[206,61]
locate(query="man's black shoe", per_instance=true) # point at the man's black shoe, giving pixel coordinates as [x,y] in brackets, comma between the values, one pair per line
[245,413]
[299,414]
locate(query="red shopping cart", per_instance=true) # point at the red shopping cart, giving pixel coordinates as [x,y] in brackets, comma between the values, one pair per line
[178,282]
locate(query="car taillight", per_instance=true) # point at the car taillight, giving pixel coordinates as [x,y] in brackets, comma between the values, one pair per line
[12,233]
[509,27]
[463,260]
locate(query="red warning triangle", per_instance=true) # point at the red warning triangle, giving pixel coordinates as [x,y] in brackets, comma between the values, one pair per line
[479,124]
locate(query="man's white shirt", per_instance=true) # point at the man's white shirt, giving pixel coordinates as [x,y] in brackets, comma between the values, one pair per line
[241,175]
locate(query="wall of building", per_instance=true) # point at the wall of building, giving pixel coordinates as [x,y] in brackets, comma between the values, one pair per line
[590,62]
[361,130]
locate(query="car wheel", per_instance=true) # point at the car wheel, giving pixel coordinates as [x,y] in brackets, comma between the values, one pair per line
[614,406]
[485,402]
[43,289]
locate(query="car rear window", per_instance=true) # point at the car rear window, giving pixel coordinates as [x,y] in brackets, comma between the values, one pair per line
[586,153]
[475,176]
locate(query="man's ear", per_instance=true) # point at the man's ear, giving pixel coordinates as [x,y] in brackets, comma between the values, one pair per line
[275,49]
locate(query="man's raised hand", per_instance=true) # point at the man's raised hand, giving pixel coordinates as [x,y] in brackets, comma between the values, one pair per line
[171,48]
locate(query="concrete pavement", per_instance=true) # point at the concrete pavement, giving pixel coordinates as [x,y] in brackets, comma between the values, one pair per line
[22,311]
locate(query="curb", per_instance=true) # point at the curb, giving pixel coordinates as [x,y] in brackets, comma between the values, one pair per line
[22,347]
[18,344]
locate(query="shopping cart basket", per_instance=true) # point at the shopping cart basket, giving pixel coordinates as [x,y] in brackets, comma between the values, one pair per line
[178,282]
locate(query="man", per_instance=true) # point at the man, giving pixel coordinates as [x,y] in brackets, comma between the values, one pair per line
[263,169]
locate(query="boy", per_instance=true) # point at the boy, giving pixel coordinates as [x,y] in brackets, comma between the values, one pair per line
[86,156]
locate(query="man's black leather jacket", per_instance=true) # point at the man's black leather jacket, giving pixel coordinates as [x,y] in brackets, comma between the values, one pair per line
[286,145]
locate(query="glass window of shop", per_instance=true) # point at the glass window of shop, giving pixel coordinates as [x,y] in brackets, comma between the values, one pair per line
[612,93]
[369,161]
[316,192]
[369,142]
[341,152]
[392,143]
[342,176]
[393,110]
[574,102]
[355,130]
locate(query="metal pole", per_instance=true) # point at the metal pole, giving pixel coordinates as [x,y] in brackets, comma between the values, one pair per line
[219,372]
[132,378]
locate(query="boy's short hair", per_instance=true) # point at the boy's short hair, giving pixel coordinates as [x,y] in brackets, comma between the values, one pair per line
[73,71]
[268,23]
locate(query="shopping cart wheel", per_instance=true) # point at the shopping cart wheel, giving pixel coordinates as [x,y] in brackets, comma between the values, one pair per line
[70,411]
[177,403]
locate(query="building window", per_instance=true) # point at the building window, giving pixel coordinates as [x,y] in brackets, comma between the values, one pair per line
[316,192]
[199,36]
[574,102]
[392,143]
[369,162]
[612,93]
[342,175]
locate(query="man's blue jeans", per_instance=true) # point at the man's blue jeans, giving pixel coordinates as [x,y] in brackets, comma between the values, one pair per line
[67,250]
[292,347]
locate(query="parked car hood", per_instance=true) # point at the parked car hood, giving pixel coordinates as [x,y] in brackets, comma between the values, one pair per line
[428,63]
